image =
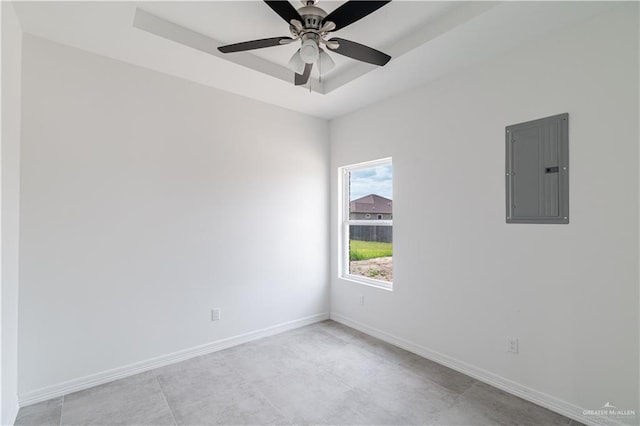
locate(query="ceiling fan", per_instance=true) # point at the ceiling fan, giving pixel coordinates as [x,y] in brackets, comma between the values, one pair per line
[311,25]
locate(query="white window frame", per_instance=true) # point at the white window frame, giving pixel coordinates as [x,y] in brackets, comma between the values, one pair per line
[345,222]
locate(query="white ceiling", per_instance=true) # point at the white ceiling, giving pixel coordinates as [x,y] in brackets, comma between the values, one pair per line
[252,20]
[425,39]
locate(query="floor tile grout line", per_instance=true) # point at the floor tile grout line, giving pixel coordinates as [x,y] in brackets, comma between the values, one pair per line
[61,410]
[278,409]
[164,397]
[376,356]
[457,398]
[411,368]
[403,364]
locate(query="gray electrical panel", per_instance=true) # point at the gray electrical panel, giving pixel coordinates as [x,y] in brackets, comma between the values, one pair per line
[537,171]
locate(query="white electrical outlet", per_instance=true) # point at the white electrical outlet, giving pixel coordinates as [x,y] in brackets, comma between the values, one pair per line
[361,300]
[512,345]
[215,314]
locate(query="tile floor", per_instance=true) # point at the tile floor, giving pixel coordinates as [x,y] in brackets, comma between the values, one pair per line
[325,373]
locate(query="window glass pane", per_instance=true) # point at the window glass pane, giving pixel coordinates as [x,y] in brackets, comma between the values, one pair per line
[369,244]
[371,251]
[370,193]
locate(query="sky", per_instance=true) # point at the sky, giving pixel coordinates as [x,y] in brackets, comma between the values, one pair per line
[375,180]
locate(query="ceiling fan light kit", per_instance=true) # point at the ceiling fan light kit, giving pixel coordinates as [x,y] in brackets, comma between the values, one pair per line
[296,64]
[325,62]
[309,51]
[311,25]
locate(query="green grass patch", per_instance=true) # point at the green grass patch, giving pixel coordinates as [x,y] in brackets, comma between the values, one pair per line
[363,250]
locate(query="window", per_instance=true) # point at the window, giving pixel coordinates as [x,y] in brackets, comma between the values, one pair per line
[366,253]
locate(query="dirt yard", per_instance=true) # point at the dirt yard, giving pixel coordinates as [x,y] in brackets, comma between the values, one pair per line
[380,268]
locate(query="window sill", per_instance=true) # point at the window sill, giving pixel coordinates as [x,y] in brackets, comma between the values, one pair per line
[383,285]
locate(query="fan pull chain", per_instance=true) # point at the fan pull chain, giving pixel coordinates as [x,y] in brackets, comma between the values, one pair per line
[319,74]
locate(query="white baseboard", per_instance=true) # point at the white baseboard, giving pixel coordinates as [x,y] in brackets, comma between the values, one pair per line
[86,382]
[540,398]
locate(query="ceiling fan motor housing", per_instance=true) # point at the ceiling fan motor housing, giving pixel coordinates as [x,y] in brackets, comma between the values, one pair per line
[312,17]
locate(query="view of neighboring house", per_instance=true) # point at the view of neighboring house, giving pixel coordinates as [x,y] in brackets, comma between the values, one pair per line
[371,206]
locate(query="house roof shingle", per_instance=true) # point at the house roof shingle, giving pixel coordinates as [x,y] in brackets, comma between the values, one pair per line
[371,203]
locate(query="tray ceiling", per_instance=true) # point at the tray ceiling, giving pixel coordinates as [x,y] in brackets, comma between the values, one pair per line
[425,39]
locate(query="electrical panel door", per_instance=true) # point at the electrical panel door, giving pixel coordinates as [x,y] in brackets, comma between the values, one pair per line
[537,171]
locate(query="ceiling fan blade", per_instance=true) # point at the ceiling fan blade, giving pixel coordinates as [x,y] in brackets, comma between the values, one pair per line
[360,52]
[284,9]
[253,44]
[352,11]
[304,77]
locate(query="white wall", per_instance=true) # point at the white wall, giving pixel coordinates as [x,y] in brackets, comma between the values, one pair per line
[146,202]
[465,280]
[11,76]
